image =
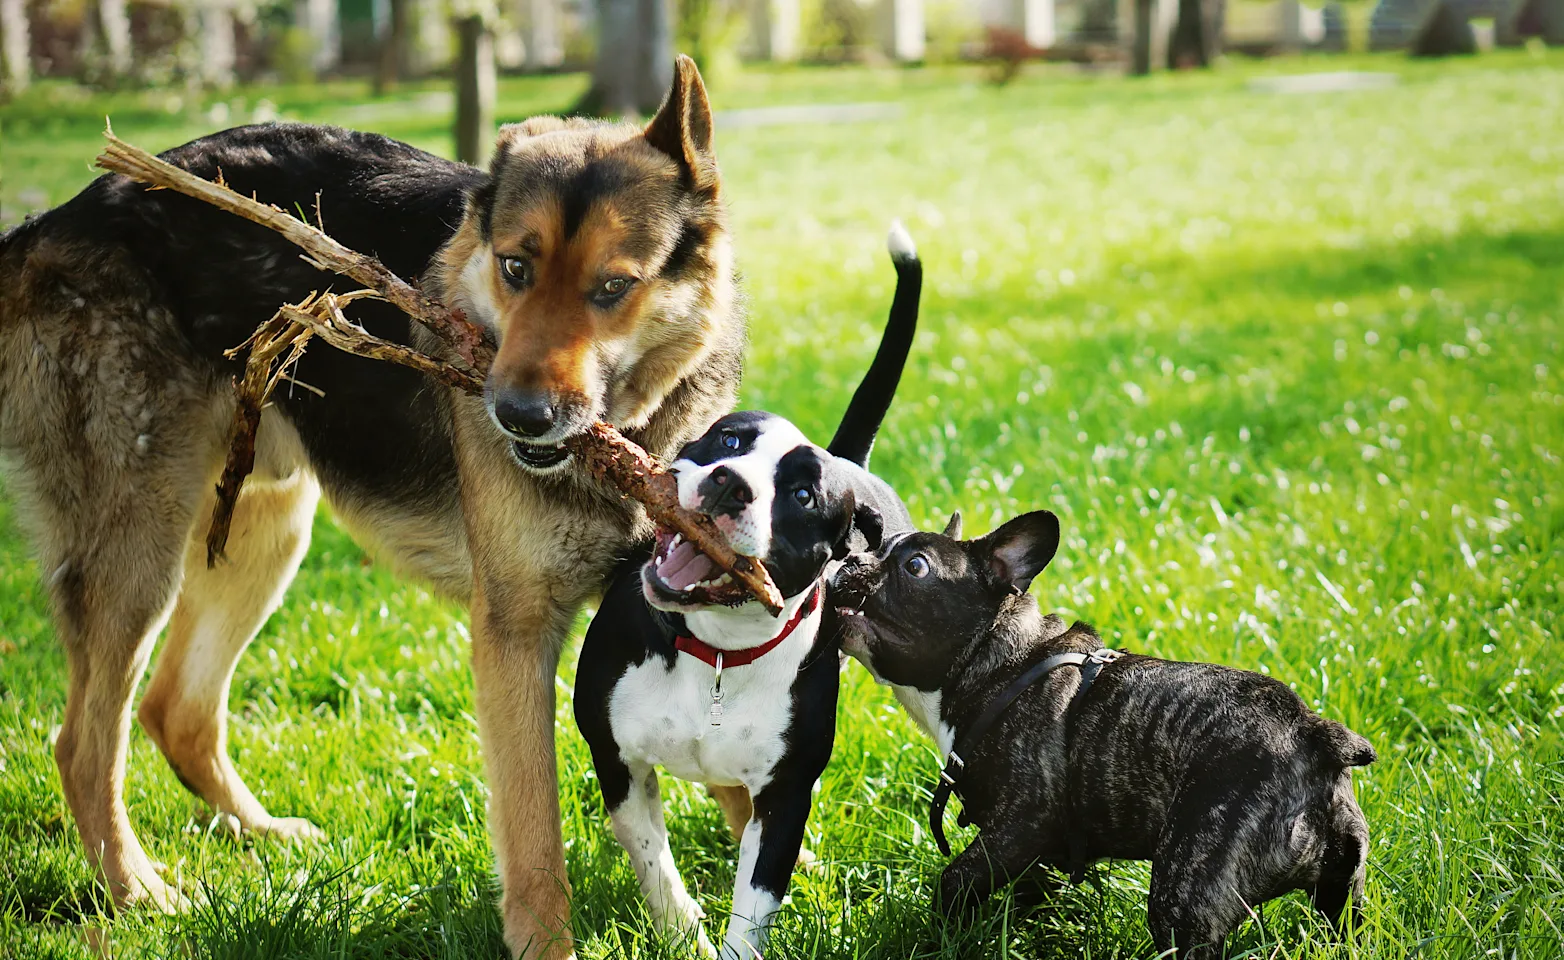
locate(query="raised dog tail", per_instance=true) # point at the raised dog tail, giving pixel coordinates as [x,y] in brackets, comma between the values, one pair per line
[855,436]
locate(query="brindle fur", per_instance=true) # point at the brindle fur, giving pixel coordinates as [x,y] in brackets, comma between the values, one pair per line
[1222,778]
[115,404]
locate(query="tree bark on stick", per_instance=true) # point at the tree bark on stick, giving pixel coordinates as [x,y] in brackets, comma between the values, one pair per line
[606,454]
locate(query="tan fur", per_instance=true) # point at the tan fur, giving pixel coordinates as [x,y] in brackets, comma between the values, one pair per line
[113,440]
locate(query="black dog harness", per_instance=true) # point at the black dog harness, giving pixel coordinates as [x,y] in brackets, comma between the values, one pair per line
[1090,663]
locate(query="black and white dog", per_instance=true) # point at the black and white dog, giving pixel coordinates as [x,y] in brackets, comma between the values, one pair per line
[675,673]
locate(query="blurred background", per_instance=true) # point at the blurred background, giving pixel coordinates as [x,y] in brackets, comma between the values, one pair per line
[626,46]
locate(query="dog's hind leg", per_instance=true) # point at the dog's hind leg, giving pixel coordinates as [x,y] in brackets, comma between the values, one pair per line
[638,823]
[220,609]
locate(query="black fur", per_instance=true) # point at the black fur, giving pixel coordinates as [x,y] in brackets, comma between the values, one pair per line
[379,431]
[1223,778]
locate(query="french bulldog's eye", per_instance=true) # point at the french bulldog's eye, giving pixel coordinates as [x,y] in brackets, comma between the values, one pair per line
[805,497]
[730,440]
[518,272]
[917,566]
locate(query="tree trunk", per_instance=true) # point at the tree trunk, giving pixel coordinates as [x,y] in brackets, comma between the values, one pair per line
[1140,44]
[115,22]
[320,20]
[216,26]
[545,47]
[393,41]
[634,57]
[474,90]
[1190,45]
[15,46]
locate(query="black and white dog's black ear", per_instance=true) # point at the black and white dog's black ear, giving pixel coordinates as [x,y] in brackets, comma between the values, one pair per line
[953,527]
[851,513]
[1021,548]
[868,522]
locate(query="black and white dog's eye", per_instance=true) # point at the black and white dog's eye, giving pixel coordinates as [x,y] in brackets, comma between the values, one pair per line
[730,440]
[805,497]
[517,271]
[917,566]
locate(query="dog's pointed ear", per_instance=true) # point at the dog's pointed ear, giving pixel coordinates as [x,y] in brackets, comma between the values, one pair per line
[868,522]
[843,544]
[682,127]
[953,528]
[1021,548]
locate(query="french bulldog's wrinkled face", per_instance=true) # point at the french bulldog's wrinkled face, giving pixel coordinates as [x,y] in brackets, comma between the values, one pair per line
[772,493]
[909,609]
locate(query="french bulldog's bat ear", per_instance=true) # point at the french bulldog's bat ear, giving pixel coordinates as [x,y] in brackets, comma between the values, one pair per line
[1021,548]
[953,527]
[869,523]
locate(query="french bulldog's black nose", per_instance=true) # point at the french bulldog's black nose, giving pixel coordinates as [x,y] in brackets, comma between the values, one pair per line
[724,491]
[524,413]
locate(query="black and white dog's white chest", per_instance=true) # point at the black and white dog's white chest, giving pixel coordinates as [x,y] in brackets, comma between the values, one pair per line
[671,712]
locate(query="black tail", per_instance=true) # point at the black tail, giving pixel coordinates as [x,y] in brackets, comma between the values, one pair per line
[855,436]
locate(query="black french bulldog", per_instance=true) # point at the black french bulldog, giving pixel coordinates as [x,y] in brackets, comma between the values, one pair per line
[1223,778]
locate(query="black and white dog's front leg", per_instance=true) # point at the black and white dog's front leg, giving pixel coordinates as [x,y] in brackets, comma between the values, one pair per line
[767,852]
[638,823]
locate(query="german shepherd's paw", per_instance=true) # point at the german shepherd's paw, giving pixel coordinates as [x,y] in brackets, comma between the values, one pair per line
[289,830]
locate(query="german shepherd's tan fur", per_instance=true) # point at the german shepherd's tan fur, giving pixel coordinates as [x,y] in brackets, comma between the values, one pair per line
[115,403]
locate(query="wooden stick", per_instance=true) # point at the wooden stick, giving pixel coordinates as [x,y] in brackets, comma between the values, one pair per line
[451,326]
[607,454]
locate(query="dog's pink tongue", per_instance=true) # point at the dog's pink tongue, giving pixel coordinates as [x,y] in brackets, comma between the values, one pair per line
[684,566]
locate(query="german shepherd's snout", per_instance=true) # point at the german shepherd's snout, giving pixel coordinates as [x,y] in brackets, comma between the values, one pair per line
[596,254]
[592,259]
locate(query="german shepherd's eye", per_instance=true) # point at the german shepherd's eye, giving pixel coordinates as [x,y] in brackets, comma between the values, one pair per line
[609,292]
[917,566]
[805,497]
[518,272]
[730,440]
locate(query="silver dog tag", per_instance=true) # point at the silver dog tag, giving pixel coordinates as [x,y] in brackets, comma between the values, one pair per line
[716,695]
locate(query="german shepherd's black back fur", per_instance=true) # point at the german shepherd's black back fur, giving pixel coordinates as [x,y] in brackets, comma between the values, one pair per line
[618,302]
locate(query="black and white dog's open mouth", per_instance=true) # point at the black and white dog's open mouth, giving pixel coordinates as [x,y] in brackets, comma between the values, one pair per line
[539,457]
[679,574]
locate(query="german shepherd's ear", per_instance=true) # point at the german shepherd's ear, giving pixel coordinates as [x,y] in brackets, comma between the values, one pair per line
[682,127]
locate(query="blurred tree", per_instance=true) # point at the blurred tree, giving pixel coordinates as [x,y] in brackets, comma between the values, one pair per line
[15,46]
[105,41]
[475,84]
[214,30]
[393,42]
[634,58]
[1140,42]
[1193,41]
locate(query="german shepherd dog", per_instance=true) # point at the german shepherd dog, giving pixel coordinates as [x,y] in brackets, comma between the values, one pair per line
[595,254]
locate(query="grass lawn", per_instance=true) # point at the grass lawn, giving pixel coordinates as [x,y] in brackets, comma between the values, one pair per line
[1289,369]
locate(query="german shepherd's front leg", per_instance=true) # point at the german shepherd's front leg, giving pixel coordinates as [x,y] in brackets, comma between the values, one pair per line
[517,635]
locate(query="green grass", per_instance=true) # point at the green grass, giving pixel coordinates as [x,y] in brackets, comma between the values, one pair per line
[1288,368]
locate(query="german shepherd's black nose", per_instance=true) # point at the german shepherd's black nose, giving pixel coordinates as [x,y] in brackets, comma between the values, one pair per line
[524,413]
[724,492]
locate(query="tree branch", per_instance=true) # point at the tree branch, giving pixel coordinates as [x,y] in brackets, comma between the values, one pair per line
[278,344]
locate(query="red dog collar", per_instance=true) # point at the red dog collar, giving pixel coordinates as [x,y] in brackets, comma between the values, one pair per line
[707,653]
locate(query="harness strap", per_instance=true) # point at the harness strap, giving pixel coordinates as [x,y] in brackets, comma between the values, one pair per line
[1090,665]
